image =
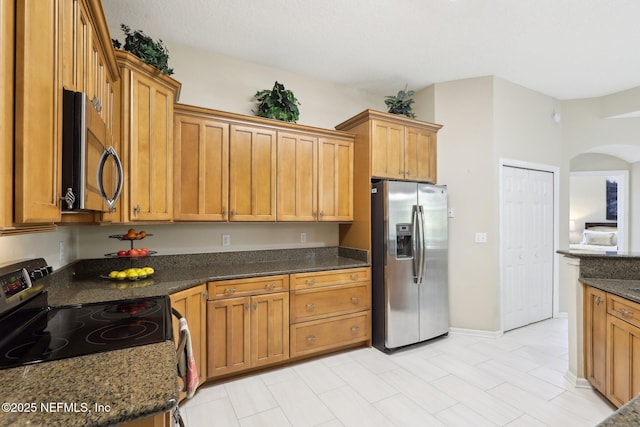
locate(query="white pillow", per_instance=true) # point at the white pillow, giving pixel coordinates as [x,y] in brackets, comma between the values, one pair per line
[600,238]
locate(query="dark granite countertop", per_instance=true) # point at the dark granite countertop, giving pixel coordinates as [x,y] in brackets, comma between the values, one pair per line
[98,389]
[122,380]
[627,415]
[80,283]
[625,288]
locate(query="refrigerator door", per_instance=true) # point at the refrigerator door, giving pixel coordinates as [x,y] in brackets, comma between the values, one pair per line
[401,289]
[433,294]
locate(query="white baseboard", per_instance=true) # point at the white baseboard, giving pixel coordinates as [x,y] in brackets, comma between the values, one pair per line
[577,382]
[475,333]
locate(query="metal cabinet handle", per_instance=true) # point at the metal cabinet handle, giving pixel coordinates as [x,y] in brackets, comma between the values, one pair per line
[255,306]
[626,313]
[321,213]
[224,211]
[270,286]
[246,306]
[310,306]
[598,300]
[310,281]
[311,339]
[233,212]
[355,329]
[355,276]
[230,291]
[408,173]
[136,210]
[355,300]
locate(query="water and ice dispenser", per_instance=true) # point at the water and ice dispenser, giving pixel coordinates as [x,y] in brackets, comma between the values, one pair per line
[404,233]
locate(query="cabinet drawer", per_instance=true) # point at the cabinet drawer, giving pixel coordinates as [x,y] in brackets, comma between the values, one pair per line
[319,335]
[245,287]
[328,278]
[623,309]
[311,304]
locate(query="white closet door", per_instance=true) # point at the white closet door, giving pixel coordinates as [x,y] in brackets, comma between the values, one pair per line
[527,245]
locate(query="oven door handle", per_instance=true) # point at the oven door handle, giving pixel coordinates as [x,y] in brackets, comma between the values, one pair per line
[182,341]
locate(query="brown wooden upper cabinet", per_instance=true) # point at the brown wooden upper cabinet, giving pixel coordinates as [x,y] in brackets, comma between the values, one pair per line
[231,167]
[335,179]
[252,173]
[146,101]
[399,147]
[201,166]
[297,177]
[7,20]
[58,43]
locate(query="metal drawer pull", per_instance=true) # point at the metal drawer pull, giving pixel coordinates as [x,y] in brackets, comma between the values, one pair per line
[311,306]
[598,300]
[310,281]
[355,300]
[355,329]
[270,286]
[626,313]
[246,306]
[311,339]
[354,276]
[229,291]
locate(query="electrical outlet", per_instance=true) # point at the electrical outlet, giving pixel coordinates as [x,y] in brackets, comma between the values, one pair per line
[303,237]
[62,255]
[481,237]
[226,240]
[451,213]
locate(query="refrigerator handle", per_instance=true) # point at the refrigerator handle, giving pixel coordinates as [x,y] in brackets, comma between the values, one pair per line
[414,243]
[422,248]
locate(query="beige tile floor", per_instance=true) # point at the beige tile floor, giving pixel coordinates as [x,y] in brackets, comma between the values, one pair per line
[514,380]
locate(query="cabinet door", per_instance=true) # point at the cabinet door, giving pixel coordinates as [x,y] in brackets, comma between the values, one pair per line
[297,177]
[387,150]
[201,168]
[269,328]
[335,180]
[229,332]
[7,16]
[151,148]
[252,174]
[38,106]
[623,360]
[420,155]
[595,333]
[192,304]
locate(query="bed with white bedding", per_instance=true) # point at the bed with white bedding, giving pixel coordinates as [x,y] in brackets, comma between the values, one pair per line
[598,237]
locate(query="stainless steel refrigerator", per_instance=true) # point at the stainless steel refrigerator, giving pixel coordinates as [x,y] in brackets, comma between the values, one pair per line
[410,298]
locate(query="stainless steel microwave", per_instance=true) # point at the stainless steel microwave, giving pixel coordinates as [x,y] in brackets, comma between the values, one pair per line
[92,175]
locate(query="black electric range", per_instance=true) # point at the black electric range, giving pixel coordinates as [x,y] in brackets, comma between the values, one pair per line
[33,332]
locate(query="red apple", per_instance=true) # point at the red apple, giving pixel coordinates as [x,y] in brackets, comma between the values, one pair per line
[122,253]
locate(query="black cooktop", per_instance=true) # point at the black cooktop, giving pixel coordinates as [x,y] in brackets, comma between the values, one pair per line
[45,334]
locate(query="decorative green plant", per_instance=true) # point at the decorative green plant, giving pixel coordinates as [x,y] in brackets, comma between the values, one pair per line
[401,103]
[144,47]
[278,103]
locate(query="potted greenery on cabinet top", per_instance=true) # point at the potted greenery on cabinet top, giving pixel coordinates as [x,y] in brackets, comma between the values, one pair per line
[277,103]
[401,103]
[144,47]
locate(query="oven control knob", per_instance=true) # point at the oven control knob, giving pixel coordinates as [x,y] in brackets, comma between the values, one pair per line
[36,274]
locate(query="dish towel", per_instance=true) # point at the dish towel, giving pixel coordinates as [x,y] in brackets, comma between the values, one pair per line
[187,368]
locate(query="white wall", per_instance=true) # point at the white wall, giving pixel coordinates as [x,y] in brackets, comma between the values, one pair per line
[45,245]
[485,119]
[466,165]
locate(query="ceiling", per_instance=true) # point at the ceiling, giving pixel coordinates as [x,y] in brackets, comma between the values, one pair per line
[566,49]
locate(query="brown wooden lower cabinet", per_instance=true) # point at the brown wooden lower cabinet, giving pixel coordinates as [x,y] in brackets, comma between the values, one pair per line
[595,334]
[612,345]
[249,331]
[321,335]
[256,322]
